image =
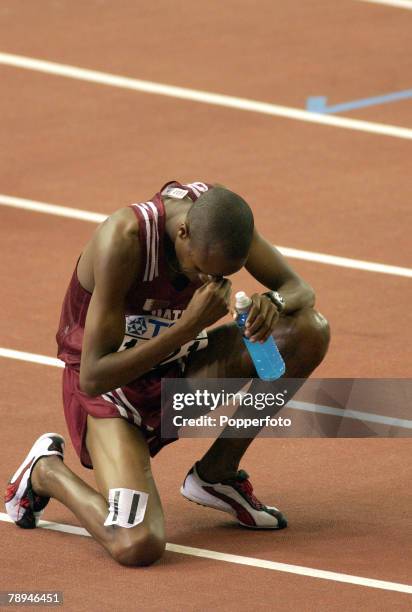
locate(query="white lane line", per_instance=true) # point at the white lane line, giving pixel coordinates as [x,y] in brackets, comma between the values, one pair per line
[299,570]
[345,262]
[357,415]
[30,357]
[293,404]
[405,4]
[332,260]
[73,529]
[51,209]
[204,97]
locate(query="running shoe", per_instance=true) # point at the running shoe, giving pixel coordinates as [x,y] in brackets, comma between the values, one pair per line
[234,496]
[23,505]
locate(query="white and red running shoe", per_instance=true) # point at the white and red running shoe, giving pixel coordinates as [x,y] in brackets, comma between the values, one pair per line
[234,496]
[23,505]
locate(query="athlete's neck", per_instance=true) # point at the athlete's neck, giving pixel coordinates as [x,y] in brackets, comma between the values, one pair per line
[175,215]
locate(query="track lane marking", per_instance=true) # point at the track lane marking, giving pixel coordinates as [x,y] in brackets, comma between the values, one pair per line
[203,553]
[51,209]
[405,4]
[204,97]
[323,258]
[356,415]
[319,104]
[31,357]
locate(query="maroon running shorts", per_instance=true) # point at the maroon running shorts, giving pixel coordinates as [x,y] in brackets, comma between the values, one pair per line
[139,403]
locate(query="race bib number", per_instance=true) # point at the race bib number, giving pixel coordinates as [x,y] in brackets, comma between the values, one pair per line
[141,328]
[175,192]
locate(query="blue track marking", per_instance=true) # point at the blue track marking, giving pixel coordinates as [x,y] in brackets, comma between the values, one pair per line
[318,104]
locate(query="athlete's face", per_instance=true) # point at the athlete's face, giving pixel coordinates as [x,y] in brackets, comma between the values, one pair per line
[201,265]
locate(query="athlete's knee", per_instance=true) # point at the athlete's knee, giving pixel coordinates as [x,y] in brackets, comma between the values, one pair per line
[313,336]
[137,539]
[142,547]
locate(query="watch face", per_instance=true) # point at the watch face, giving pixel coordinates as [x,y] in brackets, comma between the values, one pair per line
[278,300]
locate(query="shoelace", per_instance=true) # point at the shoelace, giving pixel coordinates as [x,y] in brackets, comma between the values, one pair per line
[242,484]
[24,502]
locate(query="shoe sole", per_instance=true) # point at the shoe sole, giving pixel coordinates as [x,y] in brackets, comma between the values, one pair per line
[229,510]
[30,518]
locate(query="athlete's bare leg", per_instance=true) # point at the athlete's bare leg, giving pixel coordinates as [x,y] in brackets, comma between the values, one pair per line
[303,340]
[120,459]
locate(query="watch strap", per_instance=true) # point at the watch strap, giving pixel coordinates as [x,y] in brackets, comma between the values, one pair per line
[276,299]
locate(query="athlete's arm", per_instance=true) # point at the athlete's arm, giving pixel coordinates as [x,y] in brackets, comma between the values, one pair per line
[269,267]
[117,260]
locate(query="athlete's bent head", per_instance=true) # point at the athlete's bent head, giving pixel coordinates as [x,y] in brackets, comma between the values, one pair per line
[216,236]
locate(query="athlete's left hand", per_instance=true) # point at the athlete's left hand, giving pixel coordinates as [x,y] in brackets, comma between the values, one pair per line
[262,319]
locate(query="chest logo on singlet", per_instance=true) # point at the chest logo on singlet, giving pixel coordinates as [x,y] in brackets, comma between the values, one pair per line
[141,328]
[137,325]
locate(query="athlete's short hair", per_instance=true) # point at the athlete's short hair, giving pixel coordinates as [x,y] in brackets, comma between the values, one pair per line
[221,219]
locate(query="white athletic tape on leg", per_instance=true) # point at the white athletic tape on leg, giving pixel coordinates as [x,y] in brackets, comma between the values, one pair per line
[126,507]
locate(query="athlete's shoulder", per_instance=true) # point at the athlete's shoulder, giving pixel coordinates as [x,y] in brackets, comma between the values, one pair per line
[122,222]
[116,246]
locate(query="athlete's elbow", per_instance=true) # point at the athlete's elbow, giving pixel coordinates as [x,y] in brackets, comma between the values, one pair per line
[89,385]
[308,295]
[93,386]
[311,296]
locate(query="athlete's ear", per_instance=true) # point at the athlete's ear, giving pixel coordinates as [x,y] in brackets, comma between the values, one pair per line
[183,231]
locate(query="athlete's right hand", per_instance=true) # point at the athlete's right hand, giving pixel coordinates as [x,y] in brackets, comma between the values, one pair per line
[209,304]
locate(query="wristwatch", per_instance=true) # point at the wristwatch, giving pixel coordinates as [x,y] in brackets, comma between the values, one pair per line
[277,300]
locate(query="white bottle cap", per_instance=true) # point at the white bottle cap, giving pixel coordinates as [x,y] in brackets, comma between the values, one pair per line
[242,300]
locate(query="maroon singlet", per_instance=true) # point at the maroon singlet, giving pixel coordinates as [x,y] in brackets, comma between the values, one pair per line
[152,304]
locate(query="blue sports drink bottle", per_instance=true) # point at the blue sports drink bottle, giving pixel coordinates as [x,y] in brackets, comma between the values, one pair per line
[266,357]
